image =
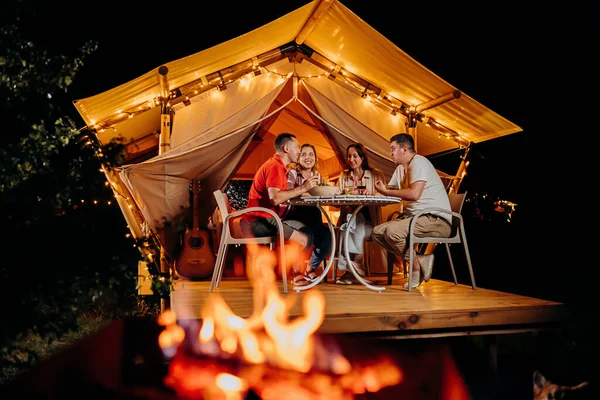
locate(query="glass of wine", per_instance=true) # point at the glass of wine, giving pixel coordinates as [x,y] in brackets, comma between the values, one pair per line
[348,185]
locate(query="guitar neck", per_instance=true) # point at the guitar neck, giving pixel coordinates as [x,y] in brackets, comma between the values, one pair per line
[195,205]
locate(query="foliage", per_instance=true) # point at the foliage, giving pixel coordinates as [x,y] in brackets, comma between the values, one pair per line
[32,85]
[161,286]
[61,257]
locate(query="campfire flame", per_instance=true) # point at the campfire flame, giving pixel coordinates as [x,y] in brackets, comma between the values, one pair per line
[224,355]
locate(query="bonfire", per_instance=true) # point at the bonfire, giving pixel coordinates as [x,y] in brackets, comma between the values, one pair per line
[268,354]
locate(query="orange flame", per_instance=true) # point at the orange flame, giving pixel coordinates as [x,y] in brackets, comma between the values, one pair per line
[268,338]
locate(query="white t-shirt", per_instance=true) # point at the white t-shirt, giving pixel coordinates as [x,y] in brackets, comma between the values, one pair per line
[434,193]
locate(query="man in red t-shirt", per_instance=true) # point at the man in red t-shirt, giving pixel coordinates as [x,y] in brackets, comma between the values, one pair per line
[269,190]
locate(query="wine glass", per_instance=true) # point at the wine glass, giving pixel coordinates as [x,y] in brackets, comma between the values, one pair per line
[348,185]
[363,185]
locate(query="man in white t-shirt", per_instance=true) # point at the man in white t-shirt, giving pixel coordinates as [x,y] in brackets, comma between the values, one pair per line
[419,186]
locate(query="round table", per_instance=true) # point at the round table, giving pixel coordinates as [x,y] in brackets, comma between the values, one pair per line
[357,201]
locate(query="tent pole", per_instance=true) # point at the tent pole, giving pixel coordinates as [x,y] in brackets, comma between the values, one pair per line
[164,146]
[412,127]
[438,101]
[460,173]
[165,111]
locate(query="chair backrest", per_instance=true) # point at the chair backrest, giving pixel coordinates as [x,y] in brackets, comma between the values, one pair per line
[456,201]
[225,209]
[222,202]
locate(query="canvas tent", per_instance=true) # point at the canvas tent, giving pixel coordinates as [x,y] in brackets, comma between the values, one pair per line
[319,72]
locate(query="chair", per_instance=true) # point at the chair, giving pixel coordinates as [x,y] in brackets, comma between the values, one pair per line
[231,233]
[457,235]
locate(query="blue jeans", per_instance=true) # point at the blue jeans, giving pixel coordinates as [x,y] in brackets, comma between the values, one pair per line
[308,219]
[317,233]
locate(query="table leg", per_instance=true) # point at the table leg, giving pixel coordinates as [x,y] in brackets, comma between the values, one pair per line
[331,256]
[347,255]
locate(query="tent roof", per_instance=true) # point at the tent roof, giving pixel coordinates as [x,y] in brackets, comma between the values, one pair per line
[343,44]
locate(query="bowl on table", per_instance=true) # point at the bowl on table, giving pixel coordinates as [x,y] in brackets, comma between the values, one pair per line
[324,191]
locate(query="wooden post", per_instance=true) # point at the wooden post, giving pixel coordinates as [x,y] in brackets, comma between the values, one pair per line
[412,127]
[460,173]
[165,111]
[164,146]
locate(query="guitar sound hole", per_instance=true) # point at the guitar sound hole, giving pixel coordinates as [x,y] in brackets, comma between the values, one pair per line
[195,242]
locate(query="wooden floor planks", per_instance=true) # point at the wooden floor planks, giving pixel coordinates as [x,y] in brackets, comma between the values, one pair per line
[435,307]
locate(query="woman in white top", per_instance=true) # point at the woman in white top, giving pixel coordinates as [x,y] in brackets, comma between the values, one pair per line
[360,178]
[301,216]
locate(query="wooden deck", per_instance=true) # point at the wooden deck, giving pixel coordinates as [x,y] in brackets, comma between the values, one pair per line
[437,308]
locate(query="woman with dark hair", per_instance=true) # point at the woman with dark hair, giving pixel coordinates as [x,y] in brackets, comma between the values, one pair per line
[359,178]
[305,168]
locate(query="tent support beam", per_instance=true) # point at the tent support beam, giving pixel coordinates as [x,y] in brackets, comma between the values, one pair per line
[164,146]
[251,65]
[382,99]
[296,53]
[203,84]
[461,172]
[165,111]
[455,94]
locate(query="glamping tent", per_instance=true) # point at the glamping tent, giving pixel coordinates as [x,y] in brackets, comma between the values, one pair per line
[319,72]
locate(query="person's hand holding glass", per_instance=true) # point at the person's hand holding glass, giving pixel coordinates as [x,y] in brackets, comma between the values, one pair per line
[363,187]
[348,185]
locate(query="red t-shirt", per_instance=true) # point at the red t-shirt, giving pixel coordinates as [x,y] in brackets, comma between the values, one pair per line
[272,173]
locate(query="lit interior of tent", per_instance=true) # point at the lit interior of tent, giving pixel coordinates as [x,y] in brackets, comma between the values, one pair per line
[228,133]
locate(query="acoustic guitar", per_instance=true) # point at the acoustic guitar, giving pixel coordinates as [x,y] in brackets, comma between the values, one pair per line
[196,259]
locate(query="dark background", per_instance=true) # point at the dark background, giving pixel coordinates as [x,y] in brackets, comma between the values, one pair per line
[534,65]
[531,66]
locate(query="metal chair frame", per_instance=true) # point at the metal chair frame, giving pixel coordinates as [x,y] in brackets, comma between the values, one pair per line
[228,237]
[457,236]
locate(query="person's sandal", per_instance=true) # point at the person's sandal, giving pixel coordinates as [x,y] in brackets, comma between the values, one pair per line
[300,280]
[415,281]
[345,279]
[312,276]
[358,268]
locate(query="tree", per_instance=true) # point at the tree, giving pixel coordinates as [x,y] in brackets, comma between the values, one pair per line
[60,256]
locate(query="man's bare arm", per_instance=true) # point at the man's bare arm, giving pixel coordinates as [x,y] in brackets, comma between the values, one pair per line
[412,193]
[278,196]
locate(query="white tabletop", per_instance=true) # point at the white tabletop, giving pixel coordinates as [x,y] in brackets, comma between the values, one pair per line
[347,200]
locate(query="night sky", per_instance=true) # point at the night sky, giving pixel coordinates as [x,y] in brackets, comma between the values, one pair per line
[531,66]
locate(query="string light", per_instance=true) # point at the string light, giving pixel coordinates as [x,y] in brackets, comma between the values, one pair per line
[379,97]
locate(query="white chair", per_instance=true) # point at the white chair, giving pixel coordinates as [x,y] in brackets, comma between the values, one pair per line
[231,233]
[457,235]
